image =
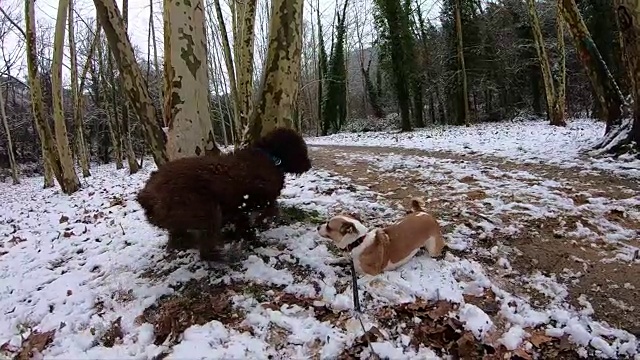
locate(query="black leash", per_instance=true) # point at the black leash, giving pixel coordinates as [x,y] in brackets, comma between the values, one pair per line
[358,307]
[354,281]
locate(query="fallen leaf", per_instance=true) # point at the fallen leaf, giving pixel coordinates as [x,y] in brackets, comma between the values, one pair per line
[440,309]
[36,342]
[538,338]
[565,343]
[68,234]
[64,219]
[521,353]
[467,346]
[114,334]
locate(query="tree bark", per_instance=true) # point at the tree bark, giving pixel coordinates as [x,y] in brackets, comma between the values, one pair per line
[555,108]
[114,119]
[606,89]
[244,45]
[70,181]
[126,129]
[186,81]
[463,71]
[628,18]
[81,145]
[559,100]
[279,85]
[10,150]
[135,84]
[228,60]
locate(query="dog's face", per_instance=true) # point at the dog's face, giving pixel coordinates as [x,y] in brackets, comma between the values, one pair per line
[288,146]
[342,230]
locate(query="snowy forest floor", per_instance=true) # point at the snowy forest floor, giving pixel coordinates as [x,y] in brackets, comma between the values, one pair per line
[543,260]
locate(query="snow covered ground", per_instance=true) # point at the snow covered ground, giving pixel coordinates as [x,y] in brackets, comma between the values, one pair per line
[85,277]
[524,141]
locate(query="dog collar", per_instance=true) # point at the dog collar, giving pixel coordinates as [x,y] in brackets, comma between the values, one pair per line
[356,243]
[276,160]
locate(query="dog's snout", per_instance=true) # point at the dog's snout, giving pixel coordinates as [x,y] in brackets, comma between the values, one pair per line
[318,228]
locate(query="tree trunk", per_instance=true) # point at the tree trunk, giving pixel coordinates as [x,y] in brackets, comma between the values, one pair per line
[135,84]
[543,59]
[114,119]
[628,18]
[70,180]
[560,88]
[603,83]
[228,59]
[81,145]
[244,36]
[418,103]
[156,63]
[126,130]
[279,86]
[10,150]
[186,81]
[49,152]
[463,71]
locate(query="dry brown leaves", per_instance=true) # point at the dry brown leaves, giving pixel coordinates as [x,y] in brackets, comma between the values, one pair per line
[432,324]
[197,304]
[321,311]
[34,344]
[114,334]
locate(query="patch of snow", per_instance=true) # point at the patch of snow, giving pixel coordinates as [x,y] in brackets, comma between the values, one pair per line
[519,141]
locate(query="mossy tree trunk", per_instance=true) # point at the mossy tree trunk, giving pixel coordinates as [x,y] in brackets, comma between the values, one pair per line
[462,73]
[186,81]
[554,109]
[70,181]
[50,158]
[81,145]
[126,129]
[135,83]
[112,109]
[394,28]
[628,133]
[10,150]
[561,82]
[279,86]
[244,37]
[231,72]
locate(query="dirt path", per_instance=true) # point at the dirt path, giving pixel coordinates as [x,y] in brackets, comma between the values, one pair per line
[546,233]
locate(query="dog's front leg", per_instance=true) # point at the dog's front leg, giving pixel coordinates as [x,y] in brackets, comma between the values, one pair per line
[179,240]
[210,242]
[267,215]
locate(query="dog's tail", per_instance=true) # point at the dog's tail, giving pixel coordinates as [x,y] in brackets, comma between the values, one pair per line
[417,205]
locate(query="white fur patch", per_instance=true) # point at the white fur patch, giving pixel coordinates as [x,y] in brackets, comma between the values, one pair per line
[431,245]
[357,251]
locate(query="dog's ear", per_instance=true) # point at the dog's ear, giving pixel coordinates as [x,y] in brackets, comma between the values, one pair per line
[347,228]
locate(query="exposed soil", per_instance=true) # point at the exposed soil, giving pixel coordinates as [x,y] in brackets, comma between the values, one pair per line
[612,288]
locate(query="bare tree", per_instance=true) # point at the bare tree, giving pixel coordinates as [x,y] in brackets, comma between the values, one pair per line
[135,84]
[10,150]
[81,146]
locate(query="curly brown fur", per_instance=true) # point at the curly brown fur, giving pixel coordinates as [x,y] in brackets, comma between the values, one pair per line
[195,197]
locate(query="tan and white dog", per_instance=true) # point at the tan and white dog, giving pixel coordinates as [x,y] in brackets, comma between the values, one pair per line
[382,249]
